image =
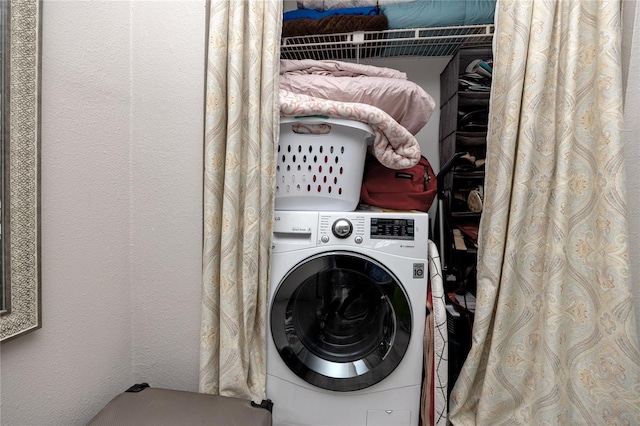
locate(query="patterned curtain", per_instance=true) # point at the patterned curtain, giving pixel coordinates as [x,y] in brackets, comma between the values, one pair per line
[241,133]
[554,339]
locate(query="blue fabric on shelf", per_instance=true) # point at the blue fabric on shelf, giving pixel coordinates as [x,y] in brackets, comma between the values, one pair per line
[316,14]
[439,13]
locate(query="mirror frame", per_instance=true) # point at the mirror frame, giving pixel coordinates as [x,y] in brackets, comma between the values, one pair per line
[21,189]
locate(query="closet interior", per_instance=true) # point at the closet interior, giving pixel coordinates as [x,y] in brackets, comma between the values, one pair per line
[460,56]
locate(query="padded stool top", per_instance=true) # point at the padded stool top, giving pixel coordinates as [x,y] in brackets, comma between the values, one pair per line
[155,406]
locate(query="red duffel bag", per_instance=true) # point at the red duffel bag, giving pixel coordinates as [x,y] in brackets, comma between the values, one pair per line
[409,189]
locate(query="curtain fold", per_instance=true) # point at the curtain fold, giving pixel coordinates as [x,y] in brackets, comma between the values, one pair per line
[554,338]
[241,134]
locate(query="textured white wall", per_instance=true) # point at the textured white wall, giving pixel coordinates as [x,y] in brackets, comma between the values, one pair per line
[122,97]
[167,63]
[60,374]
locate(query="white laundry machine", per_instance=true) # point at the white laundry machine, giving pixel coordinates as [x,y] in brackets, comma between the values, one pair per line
[347,307]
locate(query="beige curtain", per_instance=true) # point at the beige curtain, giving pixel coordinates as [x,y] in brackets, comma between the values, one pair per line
[554,339]
[241,132]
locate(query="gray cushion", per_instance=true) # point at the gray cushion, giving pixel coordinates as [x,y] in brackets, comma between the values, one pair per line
[156,407]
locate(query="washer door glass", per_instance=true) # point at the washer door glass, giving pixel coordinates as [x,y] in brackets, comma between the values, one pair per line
[341,321]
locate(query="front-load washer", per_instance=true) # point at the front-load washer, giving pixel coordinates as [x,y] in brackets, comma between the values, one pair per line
[347,308]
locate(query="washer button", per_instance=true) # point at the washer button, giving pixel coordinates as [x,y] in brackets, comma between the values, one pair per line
[324,238]
[358,239]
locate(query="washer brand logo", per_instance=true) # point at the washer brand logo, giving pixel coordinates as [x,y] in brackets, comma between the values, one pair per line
[418,270]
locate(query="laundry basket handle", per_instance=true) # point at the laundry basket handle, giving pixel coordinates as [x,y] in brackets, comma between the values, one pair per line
[321,119]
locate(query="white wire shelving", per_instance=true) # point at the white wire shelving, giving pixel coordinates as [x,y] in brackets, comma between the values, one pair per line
[354,46]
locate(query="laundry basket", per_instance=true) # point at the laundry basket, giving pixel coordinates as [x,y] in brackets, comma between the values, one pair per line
[320,163]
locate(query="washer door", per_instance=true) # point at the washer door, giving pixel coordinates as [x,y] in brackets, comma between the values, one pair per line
[341,321]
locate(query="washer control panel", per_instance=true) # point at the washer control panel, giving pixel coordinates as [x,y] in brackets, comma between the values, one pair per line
[405,234]
[366,230]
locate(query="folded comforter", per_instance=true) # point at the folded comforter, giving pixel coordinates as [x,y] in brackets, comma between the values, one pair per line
[418,13]
[337,69]
[439,13]
[339,4]
[334,24]
[394,146]
[385,88]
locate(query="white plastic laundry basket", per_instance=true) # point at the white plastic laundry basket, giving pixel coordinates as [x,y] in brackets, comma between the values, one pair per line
[321,170]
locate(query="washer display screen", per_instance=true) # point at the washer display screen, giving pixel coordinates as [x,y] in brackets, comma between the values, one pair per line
[341,321]
[401,229]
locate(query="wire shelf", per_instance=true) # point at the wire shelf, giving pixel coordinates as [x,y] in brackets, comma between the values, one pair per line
[441,41]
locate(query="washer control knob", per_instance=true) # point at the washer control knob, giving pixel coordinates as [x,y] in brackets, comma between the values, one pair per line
[342,228]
